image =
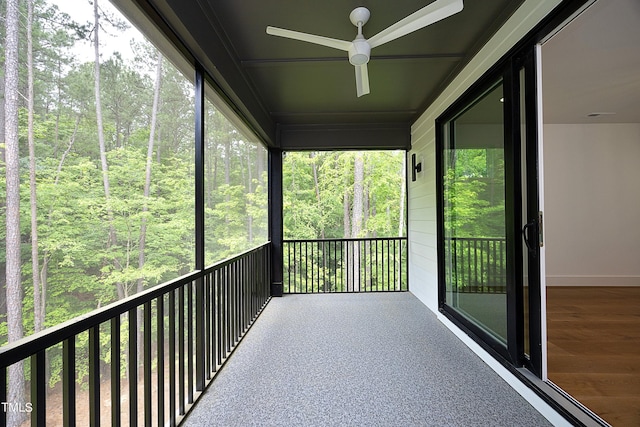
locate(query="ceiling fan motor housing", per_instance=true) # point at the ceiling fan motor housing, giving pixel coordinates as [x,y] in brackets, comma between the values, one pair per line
[359,52]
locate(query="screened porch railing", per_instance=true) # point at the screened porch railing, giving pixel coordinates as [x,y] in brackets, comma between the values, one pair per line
[476,265]
[182,331]
[345,265]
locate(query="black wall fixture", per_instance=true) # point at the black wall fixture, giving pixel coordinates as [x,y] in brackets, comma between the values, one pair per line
[415,168]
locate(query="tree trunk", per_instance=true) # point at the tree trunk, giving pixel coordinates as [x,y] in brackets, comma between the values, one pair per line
[12,173]
[356,216]
[147,189]
[316,185]
[249,191]
[346,249]
[38,297]
[101,142]
[227,162]
[46,256]
[112,238]
[227,177]
[147,182]
[59,103]
[260,163]
[208,181]
[215,174]
[2,101]
[368,268]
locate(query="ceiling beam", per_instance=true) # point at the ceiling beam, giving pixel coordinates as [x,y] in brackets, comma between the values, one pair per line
[269,61]
[359,136]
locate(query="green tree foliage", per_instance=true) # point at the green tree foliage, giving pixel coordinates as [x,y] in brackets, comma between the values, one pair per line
[474,193]
[335,195]
[80,269]
[314,203]
[474,219]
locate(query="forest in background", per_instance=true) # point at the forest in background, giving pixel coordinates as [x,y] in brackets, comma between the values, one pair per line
[96,200]
[97,160]
[344,194]
[105,160]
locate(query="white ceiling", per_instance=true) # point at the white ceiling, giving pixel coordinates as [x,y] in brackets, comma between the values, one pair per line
[593,66]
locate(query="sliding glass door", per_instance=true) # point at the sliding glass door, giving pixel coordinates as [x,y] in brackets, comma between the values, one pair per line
[488,216]
[474,214]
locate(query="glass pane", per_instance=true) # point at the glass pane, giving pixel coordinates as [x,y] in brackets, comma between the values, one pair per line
[106,182]
[111,166]
[474,214]
[236,200]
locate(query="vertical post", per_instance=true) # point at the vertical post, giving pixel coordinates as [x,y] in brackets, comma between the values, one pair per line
[219,315]
[207,322]
[190,340]
[161,364]
[94,376]
[172,359]
[147,363]
[199,226]
[133,367]
[69,382]
[181,352]
[116,405]
[39,388]
[275,219]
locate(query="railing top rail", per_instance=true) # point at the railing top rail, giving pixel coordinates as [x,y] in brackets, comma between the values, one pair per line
[356,239]
[234,258]
[479,239]
[32,344]
[27,346]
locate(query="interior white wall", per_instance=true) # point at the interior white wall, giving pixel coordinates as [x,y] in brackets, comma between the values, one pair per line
[592,204]
[422,236]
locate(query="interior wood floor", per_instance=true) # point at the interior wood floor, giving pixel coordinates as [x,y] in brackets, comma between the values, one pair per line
[593,337]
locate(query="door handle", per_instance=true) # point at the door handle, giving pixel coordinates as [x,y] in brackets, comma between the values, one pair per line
[526,233]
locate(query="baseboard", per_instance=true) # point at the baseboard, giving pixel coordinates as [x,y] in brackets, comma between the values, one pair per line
[593,280]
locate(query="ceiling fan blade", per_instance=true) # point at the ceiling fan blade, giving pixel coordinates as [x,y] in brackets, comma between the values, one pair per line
[362,80]
[429,14]
[310,38]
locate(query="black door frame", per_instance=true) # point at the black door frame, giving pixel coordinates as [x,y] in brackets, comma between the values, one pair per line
[506,71]
[529,369]
[527,61]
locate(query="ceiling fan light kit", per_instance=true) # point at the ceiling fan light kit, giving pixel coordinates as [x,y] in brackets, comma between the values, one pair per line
[359,49]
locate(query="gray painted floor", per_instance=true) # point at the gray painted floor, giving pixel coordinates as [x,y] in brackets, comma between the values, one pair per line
[357,360]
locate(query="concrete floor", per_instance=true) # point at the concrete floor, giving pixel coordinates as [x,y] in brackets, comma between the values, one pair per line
[357,360]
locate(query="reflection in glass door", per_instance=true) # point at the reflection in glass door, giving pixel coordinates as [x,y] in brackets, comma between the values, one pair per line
[474,225]
[488,219]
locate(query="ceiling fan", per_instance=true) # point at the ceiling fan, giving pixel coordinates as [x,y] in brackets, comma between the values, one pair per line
[360,48]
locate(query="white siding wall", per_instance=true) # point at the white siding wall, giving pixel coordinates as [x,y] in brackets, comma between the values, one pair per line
[592,204]
[422,193]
